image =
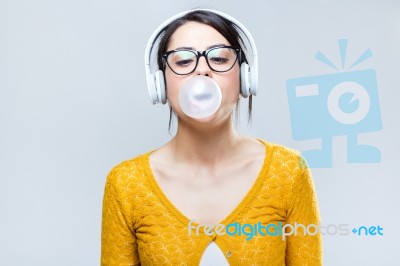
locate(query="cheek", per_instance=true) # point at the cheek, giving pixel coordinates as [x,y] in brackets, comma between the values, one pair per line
[230,87]
[172,85]
[170,82]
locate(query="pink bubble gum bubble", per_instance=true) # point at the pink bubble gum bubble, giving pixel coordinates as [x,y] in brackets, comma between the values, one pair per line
[200,97]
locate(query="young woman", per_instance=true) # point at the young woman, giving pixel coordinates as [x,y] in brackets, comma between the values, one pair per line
[209,196]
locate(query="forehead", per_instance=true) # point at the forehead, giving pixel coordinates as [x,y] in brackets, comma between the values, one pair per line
[196,35]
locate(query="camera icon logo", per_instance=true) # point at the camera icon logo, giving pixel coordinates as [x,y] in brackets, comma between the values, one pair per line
[344,103]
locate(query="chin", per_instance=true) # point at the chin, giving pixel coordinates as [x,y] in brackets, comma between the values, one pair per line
[216,118]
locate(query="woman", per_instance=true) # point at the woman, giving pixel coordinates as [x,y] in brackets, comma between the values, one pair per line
[156,205]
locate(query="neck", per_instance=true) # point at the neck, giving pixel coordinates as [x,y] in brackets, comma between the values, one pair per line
[204,144]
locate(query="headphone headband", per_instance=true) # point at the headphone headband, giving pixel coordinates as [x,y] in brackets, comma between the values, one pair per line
[155,78]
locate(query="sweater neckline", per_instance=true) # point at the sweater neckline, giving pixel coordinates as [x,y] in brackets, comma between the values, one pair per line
[234,213]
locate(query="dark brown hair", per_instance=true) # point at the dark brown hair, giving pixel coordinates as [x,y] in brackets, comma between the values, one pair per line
[224,26]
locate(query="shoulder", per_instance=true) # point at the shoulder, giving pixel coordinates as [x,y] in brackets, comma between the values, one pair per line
[129,171]
[281,152]
[284,159]
[290,170]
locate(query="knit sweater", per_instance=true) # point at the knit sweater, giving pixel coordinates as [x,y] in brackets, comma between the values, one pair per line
[141,226]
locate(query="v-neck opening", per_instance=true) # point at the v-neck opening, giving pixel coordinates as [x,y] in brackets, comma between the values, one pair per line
[239,208]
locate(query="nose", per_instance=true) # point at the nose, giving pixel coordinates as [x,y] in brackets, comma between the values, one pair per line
[202,67]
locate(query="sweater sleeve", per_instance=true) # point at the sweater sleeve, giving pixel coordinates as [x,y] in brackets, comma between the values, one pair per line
[118,239]
[303,249]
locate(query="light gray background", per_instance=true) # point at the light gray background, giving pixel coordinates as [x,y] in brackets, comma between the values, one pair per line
[74,103]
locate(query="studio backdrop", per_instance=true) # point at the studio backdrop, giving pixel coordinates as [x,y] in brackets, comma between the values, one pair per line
[74,103]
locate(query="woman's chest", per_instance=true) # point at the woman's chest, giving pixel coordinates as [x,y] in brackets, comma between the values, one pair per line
[209,197]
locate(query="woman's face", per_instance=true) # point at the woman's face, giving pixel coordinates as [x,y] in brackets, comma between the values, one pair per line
[200,37]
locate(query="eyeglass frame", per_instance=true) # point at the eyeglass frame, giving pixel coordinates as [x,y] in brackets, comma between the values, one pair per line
[200,54]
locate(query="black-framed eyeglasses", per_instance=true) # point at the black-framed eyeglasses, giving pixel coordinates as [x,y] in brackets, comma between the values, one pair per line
[219,59]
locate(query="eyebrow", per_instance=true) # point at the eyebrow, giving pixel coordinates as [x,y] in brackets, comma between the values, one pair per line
[191,48]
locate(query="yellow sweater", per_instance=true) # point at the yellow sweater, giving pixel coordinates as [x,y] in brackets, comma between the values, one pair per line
[140,226]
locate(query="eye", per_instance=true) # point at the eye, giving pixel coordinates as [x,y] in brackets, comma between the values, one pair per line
[183,63]
[219,60]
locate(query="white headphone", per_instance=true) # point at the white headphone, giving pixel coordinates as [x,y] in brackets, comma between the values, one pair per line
[155,76]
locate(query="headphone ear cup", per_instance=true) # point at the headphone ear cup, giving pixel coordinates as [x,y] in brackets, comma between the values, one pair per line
[160,87]
[151,86]
[245,80]
[253,81]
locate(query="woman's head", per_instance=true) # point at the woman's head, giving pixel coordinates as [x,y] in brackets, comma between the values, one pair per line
[212,29]
[222,25]
[218,63]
